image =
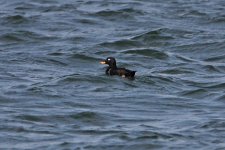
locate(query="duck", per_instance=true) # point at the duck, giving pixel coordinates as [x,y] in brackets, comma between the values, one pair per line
[112,68]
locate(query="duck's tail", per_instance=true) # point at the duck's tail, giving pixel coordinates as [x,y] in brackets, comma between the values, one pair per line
[133,73]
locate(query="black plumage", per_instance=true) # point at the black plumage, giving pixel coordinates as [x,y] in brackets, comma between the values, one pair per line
[112,69]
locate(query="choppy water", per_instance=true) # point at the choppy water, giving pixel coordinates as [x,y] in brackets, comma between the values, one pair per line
[54,93]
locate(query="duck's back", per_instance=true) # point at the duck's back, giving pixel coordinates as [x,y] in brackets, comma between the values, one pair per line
[125,72]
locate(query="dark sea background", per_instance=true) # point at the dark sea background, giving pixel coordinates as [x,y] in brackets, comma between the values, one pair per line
[54,94]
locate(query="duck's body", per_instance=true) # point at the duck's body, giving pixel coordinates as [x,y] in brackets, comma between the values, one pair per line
[114,70]
[120,71]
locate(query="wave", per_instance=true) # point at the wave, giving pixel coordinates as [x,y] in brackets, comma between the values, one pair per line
[176,71]
[220,58]
[89,117]
[11,37]
[24,35]
[84,57]
[201,47]
[121,44]
[15,19]
[221,97]
[158,34]
[147,52]
[218,19]
[121,13]
[195,93]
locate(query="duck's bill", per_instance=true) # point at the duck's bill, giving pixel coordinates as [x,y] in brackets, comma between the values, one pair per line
[102,62]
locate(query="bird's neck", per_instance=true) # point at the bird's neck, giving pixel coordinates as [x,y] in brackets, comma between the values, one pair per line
[113,67]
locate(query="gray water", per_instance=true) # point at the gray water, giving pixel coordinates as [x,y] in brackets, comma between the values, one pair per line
[54,94]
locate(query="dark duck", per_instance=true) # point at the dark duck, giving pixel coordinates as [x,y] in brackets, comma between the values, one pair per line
[112,69]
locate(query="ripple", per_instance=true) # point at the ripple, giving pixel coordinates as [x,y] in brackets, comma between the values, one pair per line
[89,21]
[162,78]
[82,78]
[31,118]
[24,6]
[56,54]
[158,34]
[216,58]
[216,86]
[16,19]
[221,97]
[83,57]
[194,13]
[10,37]
[216,124]
[56,62]
[87,117]
[184,58]
[211,68]
[218,19]
[58,8]
[5,100]
[118,14]
[134,140]
[90,117]
[205,48]
[148,53]
[195,93]
[176,71]
[24,35]
[121,44]
[122,146]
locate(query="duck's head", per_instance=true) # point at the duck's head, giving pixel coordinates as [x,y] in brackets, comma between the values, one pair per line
[111,61]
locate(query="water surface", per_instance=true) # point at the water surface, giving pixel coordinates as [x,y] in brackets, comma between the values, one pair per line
[54,93]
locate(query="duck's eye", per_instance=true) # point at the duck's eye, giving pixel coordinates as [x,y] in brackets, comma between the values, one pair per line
[109,59]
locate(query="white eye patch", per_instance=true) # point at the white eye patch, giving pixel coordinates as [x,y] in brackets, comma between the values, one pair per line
[109,59]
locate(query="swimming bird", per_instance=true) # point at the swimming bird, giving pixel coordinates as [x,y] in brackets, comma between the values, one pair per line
[112,69]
